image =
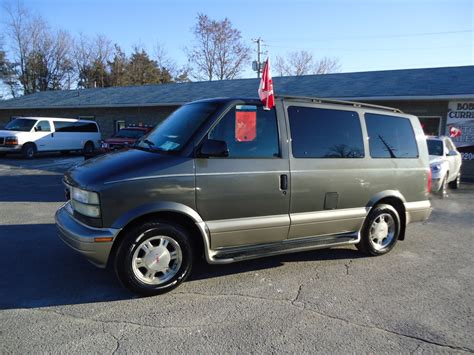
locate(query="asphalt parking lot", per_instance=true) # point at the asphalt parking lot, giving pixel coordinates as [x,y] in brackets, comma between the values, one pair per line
[418,298]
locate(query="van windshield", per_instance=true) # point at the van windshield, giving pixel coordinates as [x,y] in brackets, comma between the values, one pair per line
[176,130]
[20,124]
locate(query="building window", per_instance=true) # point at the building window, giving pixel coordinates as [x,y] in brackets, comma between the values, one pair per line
[390,136]
[323,133]
[430,125]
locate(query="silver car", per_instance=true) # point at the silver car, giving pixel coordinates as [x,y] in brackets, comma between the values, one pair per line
[445,164]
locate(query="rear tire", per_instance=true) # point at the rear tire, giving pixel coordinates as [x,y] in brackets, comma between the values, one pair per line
[88,148]
[154,258]
[455,183]
[28,150]
[380,231]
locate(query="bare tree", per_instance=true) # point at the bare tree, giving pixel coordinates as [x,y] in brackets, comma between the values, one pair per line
[92,56]
[118,67]
[327,65]
[166,64]
[303,63]
[219,52]
[41,57]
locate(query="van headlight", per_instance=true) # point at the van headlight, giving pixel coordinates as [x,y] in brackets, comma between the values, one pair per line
[85,202]
[11,140]
[435,168]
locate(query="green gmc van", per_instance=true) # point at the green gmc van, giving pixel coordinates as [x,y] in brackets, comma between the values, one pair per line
[228,180]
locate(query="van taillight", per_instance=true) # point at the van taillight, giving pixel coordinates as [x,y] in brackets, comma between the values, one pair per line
[428,187]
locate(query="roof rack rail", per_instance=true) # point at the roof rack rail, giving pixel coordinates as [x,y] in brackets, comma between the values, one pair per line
[339,102]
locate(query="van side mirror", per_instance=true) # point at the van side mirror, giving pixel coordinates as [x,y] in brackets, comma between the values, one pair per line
[213,148]
[452,153]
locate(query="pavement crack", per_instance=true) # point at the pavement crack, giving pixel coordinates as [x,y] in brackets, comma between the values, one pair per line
[233,295]
[297,296]
[413,337]
[130,323]
[348,266]
[117,340]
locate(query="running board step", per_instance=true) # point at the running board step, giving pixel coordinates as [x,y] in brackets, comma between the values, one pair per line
[285,247]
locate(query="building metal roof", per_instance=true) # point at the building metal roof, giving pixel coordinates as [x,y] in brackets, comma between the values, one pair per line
[408,84]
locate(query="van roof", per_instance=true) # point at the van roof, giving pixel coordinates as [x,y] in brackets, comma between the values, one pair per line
[53,118]
[309,99]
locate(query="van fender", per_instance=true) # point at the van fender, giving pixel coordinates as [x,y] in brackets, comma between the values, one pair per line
[167,206]
[156,207]
[384,194]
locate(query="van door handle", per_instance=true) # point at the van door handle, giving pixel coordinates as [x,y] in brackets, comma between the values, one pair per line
[52,134]
[284,182]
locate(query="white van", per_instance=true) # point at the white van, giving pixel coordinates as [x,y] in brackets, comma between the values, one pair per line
[29,135]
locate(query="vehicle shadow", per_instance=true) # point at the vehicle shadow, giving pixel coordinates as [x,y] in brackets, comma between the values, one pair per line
[31,188]
[51,162]
[39,270]
[202,270]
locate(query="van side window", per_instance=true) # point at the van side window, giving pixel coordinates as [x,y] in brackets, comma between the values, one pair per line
[63,126]
[325,133]
[390,136]
[43,126]
[78,127]
[249,131]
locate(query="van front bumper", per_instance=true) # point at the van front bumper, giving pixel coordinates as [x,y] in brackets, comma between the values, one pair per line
[10,148]
[83,239]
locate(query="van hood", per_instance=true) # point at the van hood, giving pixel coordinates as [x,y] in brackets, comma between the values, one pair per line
[4,133]
[120,166]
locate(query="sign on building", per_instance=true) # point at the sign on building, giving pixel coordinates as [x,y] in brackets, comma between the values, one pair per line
[461,115]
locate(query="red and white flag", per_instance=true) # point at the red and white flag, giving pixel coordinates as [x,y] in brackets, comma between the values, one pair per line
[265,90]
[454,132]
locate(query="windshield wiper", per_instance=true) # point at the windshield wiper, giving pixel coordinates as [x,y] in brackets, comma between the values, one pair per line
[149,142]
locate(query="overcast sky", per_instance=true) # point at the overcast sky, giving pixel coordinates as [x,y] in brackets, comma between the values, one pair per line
[365,35]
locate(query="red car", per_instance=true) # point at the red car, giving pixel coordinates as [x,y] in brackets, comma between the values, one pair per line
[124,138]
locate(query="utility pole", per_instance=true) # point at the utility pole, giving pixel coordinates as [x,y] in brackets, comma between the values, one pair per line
[257,65]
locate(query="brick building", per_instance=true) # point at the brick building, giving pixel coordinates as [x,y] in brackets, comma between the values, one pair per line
[440,97]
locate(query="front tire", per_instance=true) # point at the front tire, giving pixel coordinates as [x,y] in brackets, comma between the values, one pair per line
[28,150]
[154,258]
[380,231]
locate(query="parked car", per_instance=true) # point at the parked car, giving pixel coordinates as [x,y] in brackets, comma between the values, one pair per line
[30,135]
[229,180]
[445,164]
[124,138]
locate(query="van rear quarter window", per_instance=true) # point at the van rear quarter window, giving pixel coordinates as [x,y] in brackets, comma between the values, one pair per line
[390,136]
[325,133]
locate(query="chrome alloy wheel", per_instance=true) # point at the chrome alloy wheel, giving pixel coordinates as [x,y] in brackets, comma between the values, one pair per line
[382,231]
[157,260]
